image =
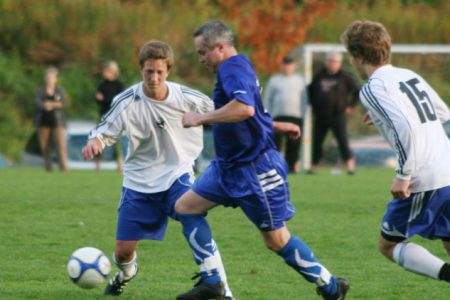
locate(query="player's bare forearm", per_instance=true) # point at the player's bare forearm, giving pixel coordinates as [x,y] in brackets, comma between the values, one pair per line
[93,147]
[291,129]
[234,111]
[400,188]
[367,120]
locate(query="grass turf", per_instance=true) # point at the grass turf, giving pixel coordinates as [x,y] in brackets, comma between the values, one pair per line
[45,217]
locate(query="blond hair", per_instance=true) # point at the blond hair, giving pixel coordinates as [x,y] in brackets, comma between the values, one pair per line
[113,67]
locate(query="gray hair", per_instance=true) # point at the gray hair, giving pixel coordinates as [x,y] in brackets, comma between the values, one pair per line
[215,31]
[334,55]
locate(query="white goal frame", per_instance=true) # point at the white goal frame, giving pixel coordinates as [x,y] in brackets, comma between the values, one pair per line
[308,50]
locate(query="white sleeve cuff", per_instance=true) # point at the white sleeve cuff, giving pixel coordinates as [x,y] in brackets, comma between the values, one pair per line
[403,177]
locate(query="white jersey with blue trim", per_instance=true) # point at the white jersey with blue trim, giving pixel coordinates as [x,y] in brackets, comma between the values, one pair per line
[160,150]
[409,114]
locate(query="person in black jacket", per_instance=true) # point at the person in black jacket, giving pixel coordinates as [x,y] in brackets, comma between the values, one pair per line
[106,91]
[50,101]
[333,93]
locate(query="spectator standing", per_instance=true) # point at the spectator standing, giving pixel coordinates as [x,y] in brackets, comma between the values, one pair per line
[285,99]
[49,119]
[333,93]
[106,91]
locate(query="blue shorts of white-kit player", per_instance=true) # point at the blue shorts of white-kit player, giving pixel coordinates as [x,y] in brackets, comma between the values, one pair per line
[144,215]
[426,214]
[259,188]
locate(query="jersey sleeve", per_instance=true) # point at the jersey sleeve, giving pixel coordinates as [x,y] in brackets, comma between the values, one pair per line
[237,83]
[392,123]
[197,101]
[112,124]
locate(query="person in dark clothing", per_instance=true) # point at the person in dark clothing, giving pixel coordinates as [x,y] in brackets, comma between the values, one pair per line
[333,93]
[49,119]
[106,91]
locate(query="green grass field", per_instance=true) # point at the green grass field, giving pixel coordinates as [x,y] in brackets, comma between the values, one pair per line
[45,217]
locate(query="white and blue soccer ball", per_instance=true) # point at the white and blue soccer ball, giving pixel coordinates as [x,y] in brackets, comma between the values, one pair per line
[88,267]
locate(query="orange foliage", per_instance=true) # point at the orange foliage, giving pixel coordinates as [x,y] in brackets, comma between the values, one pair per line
[272,28]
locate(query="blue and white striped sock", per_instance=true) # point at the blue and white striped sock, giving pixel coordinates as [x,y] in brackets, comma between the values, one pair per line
[199,237]
[299,256]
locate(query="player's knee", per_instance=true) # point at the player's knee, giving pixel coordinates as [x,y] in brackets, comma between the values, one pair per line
[386,249]
[447,246]
[181,207]
[273,245]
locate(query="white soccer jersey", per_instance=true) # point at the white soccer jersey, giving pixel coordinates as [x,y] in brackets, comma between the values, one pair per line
[409,113]
[159,149]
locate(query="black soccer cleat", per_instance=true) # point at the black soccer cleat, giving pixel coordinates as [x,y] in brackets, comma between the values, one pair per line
[343,287]
[117,284]
[204,291]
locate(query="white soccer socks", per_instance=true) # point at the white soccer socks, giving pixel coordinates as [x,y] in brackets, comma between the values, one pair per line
[221,268]
[417,259]
[129,269]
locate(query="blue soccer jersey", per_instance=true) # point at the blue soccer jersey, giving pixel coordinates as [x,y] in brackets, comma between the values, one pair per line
[241,142]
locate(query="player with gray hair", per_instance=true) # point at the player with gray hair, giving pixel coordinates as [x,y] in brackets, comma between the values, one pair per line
[213,32]
[248,171]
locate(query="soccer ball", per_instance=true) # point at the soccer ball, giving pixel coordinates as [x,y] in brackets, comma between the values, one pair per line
[88,267]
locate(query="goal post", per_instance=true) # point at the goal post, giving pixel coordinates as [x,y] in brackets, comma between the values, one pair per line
[412,54]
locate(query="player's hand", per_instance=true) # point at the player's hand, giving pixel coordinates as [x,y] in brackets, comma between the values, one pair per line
[400,189]
[48,106]
[367,120]
[348,110]
[92,148]
[191,119]
[99,96]
[291,129]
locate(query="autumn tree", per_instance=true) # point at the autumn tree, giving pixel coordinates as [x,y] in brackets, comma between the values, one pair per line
[270,29]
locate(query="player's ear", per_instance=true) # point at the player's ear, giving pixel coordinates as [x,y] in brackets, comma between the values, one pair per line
[220,46]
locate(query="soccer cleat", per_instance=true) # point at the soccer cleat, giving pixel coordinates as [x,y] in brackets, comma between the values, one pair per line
[117,284]
[343,287]
[204,291]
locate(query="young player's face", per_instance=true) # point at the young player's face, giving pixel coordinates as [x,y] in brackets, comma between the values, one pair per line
[154,74]
[210,57]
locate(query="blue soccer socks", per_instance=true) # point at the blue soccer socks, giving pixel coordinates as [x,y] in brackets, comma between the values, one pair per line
[299,256]
[198,235]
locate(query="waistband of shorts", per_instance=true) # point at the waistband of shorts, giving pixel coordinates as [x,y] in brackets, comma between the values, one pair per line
[233,165]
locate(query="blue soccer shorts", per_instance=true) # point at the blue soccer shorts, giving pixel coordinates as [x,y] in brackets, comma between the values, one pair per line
[259,188]
[144,216]
[426,214]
